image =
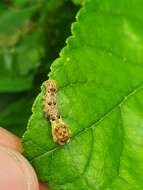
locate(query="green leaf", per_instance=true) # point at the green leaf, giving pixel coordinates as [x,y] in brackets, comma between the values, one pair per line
[13,19]
[100,79]
[10,84]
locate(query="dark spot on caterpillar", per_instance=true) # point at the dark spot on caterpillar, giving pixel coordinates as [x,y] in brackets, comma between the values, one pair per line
[49,103]
[52,90]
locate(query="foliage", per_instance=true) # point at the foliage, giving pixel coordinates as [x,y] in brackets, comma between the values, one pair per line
[99,75]
[99,78]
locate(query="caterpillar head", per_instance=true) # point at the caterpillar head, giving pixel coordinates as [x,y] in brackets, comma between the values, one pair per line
[51,86]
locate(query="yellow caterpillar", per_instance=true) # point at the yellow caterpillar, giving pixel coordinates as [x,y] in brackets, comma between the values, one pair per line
[60,131]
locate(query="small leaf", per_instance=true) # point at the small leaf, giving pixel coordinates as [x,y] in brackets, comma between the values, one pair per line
[100,79]
[14,18]
[17,84]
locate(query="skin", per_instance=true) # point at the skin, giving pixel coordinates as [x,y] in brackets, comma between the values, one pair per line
[16,173]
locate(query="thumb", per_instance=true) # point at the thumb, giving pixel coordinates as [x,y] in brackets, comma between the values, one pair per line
[15,171]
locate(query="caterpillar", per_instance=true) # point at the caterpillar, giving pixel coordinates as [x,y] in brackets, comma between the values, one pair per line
[60,131]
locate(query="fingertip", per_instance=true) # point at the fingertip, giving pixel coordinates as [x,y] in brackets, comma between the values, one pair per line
[9,143]
[15,171]
[9,140]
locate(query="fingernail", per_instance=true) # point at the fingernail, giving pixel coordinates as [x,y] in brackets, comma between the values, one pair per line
[15,171]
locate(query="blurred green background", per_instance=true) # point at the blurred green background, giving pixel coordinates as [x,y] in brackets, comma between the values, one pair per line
[32,33]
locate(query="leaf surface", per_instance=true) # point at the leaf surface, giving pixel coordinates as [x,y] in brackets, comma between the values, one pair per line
[100,79]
